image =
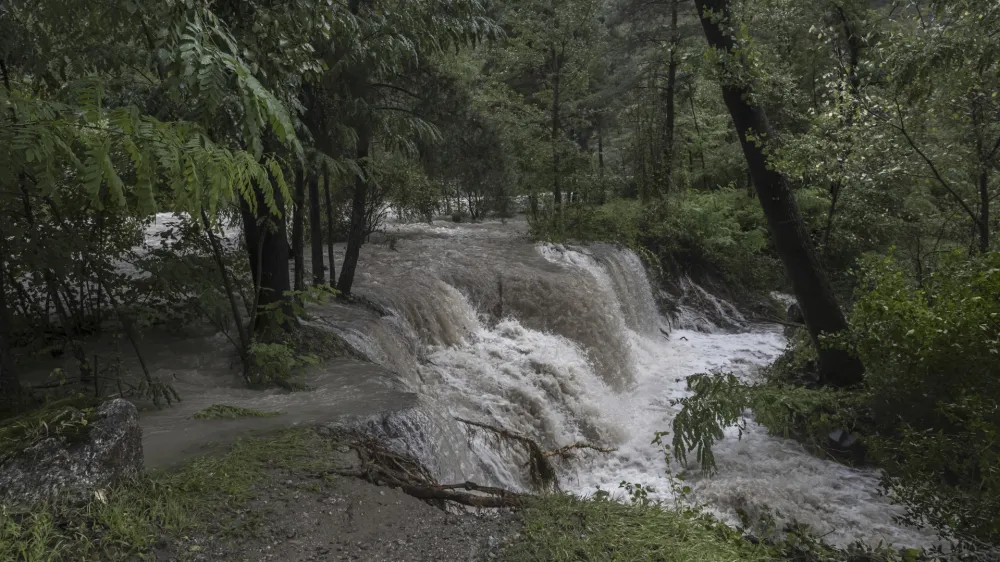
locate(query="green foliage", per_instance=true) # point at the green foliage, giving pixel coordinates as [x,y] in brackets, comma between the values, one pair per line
[564,528]
[932,353]
[277,363]
[227,412]
[721,232]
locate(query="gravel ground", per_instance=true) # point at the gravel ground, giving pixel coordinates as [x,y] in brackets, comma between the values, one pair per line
[296,519]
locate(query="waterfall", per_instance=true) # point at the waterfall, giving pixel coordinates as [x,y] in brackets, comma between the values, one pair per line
[565,344]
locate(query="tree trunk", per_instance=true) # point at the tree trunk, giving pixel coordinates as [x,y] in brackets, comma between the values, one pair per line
[10,384]
[819,306]
[556,126]
[329,227]
[671,109]
[227,286]
[316,231]
[298,232]
[359,216]
[984,210]
[267,250]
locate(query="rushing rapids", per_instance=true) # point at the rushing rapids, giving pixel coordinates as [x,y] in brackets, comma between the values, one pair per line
[566,344]
[562,344]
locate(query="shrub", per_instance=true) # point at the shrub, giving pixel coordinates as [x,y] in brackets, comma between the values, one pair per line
[720,232]
[927,412]
[932,354]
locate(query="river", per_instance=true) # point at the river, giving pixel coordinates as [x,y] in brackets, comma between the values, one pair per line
[565,344]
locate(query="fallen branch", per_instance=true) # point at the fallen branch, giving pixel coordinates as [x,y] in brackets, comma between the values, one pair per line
[567,451]
[541,471]
[383,467]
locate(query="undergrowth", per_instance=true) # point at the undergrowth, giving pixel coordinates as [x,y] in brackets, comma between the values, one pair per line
[126,523]
[561,528]
[721,233]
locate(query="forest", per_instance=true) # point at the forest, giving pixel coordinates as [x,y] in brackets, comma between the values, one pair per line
[843,152]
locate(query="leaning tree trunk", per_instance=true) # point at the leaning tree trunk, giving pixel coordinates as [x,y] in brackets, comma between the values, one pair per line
[359,215]
[316,231]
[819,306]
[298,232]
[267,250]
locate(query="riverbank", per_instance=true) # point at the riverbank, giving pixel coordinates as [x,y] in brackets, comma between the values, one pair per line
[285,497]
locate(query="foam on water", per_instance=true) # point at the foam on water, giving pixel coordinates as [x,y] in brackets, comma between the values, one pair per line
[565,344]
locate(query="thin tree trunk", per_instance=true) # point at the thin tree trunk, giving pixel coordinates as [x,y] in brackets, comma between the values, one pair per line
[855,44]
[671,109]
[227,285]
[359,215]
[820,309]
[556,126]
[298,232]
[316,231]
[984,210]
[329,226]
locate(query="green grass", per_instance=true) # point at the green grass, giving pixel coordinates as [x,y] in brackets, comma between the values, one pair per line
[226,412]
[125,523]
[563,528]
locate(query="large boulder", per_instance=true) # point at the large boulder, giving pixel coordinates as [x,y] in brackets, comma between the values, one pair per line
[101,453]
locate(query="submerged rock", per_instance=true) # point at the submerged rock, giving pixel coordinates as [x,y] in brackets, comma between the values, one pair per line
[105,449]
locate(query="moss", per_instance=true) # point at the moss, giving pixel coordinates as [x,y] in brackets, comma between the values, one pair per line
[227,412]
[565,528]
[126,523]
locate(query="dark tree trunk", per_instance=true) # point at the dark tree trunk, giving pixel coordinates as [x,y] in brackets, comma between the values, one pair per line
[10,384]
[329,227]
[298,231]
[984,210]
[267,250]
[556,127]
[819,306]
[316,231]
[671,95]
[359,215]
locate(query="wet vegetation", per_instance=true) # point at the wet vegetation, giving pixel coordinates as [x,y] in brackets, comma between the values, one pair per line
[844,151]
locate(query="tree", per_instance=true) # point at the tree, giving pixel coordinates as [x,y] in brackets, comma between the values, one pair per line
[819,306]
[298,232]
[316,231]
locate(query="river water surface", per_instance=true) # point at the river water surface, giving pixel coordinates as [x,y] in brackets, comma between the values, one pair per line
[565,344]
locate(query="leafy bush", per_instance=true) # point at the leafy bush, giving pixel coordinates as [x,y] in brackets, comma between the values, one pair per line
[932,354]
[927,414]
[721,232]
[276,363]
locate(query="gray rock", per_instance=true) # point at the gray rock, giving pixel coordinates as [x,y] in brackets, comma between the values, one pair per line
[109,453]
[794,313]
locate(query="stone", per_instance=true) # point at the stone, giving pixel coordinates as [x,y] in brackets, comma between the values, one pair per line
[794,313]
[57,469]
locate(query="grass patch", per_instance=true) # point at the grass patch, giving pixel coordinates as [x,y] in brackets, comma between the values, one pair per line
[564,528]
[69,419]
[227,412]
[126,523]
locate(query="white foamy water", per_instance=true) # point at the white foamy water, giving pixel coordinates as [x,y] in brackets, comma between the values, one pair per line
[566,344]
[531,374]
